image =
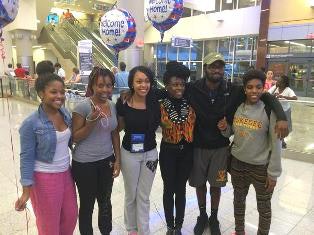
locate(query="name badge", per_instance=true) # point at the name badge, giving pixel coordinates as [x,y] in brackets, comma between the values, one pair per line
[137,143]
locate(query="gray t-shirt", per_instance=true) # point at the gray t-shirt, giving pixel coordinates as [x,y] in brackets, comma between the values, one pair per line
[98,145]
[255,141]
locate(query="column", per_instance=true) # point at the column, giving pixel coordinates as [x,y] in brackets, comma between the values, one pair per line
[263,35]
[134,55]
[24,51]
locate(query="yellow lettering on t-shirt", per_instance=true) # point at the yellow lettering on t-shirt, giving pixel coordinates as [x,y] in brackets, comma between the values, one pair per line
[248,123]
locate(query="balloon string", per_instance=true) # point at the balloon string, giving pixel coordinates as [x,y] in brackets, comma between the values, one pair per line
[27,217]
[162,34]
[114,5]
[116,58]
[13,159]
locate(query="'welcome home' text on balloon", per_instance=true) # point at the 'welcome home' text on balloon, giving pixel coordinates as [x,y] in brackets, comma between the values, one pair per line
[161,6]
[112,27]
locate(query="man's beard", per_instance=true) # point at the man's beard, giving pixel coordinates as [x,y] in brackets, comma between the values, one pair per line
[214,79]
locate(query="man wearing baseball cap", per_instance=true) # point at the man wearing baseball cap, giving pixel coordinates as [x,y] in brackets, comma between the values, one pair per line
[213,98]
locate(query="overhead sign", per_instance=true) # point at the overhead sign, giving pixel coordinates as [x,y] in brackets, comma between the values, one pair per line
[181,42]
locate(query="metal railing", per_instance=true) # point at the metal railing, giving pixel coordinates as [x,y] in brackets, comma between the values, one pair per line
[25,89]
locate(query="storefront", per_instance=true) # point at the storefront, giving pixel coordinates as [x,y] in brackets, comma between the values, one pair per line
[239,54]
[294,58]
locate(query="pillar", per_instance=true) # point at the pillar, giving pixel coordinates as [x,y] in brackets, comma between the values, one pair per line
[24,51]
[263,35]
[134,55]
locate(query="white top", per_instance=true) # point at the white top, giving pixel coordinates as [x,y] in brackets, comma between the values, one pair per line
[61,73]
[286,92]
[61,159]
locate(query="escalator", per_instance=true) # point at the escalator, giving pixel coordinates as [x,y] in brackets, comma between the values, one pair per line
[65,38]
[91,31]
[67,48]
[103,55]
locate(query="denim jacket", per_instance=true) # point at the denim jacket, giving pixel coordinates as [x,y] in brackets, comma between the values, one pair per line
[38,141]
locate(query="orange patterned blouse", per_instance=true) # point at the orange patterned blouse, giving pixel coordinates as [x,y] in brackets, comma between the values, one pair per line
[174,132]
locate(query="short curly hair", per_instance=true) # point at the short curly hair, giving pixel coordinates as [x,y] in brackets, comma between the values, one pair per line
[44,79]
[175,69]
[253,74]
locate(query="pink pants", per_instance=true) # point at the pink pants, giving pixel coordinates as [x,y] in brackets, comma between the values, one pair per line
[54,202]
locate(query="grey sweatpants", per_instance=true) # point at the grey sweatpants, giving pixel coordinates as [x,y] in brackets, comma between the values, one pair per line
[138,171]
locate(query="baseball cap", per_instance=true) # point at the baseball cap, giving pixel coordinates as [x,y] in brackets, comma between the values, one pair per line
[213,57]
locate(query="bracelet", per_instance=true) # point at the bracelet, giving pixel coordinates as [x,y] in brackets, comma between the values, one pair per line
[91,120]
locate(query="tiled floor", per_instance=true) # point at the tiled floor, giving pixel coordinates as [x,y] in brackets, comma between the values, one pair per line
[293,200]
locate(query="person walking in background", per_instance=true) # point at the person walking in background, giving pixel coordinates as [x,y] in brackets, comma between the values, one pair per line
[284,93]
[45,66]
[122,76]
[96,156]
[59,71]
[176,150]
[114,70]
[19,71]
[69,16]
[76,78]
[45,138]
[139,117]
[269,80]
[10,71]
[256,153]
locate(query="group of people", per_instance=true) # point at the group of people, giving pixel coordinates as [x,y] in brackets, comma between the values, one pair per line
[196,121]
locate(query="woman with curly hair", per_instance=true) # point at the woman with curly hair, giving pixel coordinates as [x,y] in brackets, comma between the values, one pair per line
[176,151]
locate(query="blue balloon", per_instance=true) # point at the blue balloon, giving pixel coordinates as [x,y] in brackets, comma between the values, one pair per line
[164,14]
[8,11]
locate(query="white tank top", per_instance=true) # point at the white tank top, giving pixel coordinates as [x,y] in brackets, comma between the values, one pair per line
[61,159]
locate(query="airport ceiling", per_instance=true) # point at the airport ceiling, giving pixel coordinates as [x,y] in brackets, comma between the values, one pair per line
[87,6]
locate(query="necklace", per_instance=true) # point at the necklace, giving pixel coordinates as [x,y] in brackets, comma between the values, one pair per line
[174,116]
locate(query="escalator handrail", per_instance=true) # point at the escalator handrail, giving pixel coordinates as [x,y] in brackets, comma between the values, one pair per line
[81,36]
[57,40]
[98,38]
[95,45]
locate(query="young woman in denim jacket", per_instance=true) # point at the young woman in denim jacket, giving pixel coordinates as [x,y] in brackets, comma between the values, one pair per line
[45,160]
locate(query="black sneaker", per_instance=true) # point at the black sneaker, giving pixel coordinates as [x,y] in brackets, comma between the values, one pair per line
[170,231]
[214,226]
[202,222]
[284,145]
[177,230]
